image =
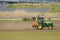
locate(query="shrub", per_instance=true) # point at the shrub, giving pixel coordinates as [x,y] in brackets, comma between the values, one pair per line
[33,18]
[28,19]
[24,19]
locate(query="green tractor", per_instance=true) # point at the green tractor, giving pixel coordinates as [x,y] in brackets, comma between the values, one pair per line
[40,24]
[46,24]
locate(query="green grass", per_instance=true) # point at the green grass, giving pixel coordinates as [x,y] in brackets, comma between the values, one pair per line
[26,21]
[16,21]
[56,21]
[24,5]
[55,7]
[11,21]
[24,35]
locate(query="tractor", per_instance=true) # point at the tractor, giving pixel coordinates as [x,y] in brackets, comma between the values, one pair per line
[40,24]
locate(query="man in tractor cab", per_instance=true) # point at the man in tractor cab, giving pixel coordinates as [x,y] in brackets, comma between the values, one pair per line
[41,20]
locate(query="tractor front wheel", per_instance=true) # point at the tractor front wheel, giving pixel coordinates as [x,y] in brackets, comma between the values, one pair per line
[50,28]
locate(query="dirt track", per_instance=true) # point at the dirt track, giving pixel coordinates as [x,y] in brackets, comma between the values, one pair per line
[22,26]
[15,26]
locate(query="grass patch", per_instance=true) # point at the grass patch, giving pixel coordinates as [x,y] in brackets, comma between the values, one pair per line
[55,7]
[16,21]
[55,21]
[26,21]
[29,5]
[11,21]
[29,35]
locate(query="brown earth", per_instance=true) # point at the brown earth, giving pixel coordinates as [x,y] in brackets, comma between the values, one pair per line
[23,26]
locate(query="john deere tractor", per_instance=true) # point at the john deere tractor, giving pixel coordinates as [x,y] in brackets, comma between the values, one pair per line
[40,24]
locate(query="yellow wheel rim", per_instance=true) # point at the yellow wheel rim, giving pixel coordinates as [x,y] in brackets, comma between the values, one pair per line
[49,27]
[39,27]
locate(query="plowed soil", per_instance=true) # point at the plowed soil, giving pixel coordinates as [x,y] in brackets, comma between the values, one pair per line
[13,26]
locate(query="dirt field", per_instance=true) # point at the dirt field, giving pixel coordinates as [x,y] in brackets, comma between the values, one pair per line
[22,26]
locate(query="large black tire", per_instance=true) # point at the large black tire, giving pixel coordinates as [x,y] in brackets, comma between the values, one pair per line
[50,28]
[39,27]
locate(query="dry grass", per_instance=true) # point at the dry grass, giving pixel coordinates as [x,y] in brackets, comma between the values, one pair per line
[23,13]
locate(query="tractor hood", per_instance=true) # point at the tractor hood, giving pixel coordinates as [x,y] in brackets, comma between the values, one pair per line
[48,22]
